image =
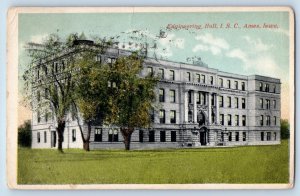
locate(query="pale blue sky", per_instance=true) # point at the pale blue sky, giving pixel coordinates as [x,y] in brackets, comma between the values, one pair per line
[241,50]
[237,50]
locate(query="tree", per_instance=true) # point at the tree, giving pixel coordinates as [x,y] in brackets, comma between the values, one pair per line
[24,134]
[284,129]
[57,67]
[91,93]
[48,81]
[131,96]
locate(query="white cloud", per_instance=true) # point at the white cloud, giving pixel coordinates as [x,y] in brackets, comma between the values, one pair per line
[239,54]
[257,45]
[257,57]
[200,47]
[208,42]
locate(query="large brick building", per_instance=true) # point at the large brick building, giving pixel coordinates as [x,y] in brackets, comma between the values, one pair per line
[197,106]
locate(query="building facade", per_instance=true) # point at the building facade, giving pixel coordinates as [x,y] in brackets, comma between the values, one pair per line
[196,106]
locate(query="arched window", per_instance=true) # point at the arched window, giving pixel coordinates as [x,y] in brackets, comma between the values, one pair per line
[201,118]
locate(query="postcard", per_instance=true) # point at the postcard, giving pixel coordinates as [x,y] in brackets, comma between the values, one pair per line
[150,98]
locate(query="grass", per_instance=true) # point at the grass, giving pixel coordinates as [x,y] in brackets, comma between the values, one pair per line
[249,164]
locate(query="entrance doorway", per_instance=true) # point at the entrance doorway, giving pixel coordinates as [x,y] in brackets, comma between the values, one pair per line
[203,136]
[53,139]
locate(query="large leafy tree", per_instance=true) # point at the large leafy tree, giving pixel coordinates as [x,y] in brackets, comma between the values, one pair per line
[49,83]
[131,96]
[91,93]
[50,78]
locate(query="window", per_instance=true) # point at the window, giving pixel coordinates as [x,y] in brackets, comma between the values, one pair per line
[213,117]
[151,136]
[275,136]
[113,135]
[274,104]
[98,135]
[38,96]
[243,103]
[213,100]
[275,119]
[268,136]
[268,123]
[274,89]
[38,74]
[229,102]
[230,136]
[161,73]
[261,103]
[236,85]
[38,137]
[262,136]
[267,88]
[172,116]
[202,99]
[45,137]
[228,84]
[260,86]
[188,76]
[236,102]
[198,97]
[172,75]
[47,92]
[237,136]
[220,82]
[261,120]
[46,116]
[110,60]
[236,119]
[162,136]
[150,71]
[244,120]
[152,115]
[202,78]
[190,116]
[162,116]
[141,136]
[63,65]
[221,119]
[229,119]
[161,95]
[268,103]
[46,70]
[221,101]
[244,136]
[190,96]
[73,135]
[243,86]
[211,80]
[173,136]
[98,58]
[38,116]
[198,78]
[56,67]
[172,96]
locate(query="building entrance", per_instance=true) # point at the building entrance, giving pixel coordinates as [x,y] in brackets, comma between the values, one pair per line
[203,136]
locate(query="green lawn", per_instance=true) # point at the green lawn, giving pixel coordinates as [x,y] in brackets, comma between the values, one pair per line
[250,164]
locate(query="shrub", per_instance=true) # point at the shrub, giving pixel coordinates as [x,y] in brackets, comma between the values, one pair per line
[24,134]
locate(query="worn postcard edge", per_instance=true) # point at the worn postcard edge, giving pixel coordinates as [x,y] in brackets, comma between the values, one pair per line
[12,96]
